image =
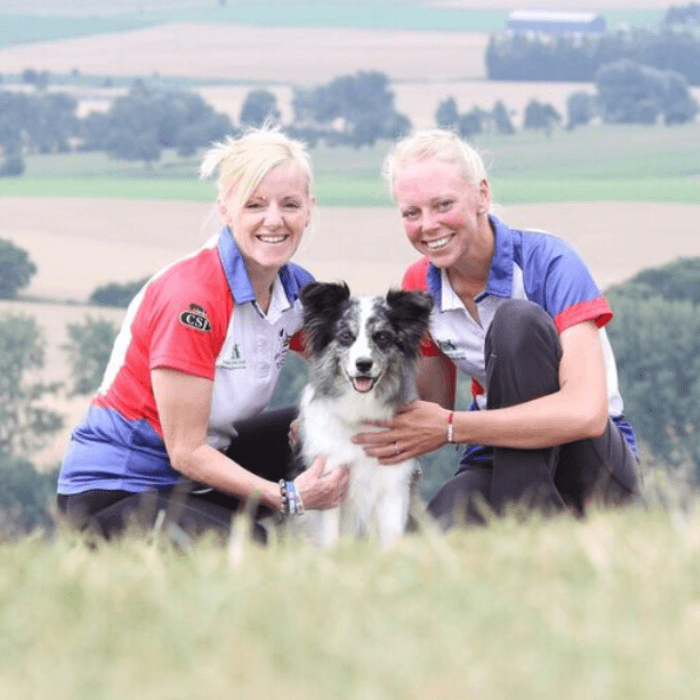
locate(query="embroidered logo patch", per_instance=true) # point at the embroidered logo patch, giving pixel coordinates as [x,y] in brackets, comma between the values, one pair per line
[195,317]
[450,348]
[447,346]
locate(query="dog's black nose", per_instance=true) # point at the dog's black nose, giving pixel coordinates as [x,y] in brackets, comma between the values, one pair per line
[363,364]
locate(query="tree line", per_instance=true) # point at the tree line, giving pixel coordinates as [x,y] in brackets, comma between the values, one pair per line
[356,110]
[578,58]
[626,93]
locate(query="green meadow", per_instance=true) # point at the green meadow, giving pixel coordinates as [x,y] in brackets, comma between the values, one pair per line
[605,163]
[608,607]
[63,19]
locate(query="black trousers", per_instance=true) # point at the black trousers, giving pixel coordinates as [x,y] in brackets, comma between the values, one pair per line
[262,447]
[522,355]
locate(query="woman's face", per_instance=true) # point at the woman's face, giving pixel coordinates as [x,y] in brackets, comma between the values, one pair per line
[268,226]
[444,215]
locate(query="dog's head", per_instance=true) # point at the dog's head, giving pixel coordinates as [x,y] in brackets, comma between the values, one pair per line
[364,338]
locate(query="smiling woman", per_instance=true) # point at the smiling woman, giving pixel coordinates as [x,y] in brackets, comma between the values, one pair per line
[518,311]
[179,423]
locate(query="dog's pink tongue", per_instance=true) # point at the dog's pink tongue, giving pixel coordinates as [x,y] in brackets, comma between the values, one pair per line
[362,384]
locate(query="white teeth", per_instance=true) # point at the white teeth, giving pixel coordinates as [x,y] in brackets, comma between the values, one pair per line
[439,243]
[272,239]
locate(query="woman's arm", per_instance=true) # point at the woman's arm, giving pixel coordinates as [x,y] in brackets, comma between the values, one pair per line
[435,380]
[184,403]
[578,410]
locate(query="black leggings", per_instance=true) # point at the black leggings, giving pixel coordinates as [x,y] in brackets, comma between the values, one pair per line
[522,354]
[262,447]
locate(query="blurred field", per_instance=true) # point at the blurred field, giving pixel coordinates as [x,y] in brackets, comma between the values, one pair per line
[273,54]
[597,609]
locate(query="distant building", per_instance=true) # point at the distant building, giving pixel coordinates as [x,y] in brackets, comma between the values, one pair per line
[543,22]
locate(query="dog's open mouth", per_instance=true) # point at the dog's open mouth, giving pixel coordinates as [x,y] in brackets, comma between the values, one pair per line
[363,384]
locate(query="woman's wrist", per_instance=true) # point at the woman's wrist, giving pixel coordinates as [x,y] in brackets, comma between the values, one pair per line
[450,428]
[291,498]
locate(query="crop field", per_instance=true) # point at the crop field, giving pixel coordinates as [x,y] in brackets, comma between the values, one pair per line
[597,163]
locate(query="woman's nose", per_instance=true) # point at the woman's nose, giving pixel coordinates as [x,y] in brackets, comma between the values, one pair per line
[273,215]
[429,222]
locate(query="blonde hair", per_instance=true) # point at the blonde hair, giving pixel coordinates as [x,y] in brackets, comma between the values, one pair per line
[244,161]
[434,143]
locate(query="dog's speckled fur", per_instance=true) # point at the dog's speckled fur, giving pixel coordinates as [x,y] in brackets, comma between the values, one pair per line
[361,367]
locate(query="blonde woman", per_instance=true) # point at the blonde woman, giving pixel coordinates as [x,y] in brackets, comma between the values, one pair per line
[179,422]
[519,313]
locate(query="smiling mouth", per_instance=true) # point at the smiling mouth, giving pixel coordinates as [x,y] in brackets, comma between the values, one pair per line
[272,239]
[439,243]
[363,384]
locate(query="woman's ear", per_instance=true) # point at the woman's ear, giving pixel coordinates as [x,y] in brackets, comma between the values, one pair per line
[484,197]
[312,207]
[223,211]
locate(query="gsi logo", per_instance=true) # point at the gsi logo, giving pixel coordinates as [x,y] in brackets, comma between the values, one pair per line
[195,317]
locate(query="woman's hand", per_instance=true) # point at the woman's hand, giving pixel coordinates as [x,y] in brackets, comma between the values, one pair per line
[417,428]
[294,436]
[319,491]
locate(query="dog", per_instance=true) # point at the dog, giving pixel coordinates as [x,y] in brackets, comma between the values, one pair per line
[361,357]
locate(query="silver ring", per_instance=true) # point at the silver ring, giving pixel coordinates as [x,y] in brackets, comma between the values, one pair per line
[397,451]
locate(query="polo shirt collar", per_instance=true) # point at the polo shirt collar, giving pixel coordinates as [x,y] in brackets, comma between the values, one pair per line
[500,279]
[237,273]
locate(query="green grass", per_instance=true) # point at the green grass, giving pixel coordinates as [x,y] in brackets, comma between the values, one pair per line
[590,164]
[605,608]
[22,29]
[59,20]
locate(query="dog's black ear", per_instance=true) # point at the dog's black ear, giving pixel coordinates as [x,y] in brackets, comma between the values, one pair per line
[323,303]
[409,314]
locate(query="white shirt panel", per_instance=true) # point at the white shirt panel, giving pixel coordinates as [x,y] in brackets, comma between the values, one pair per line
[250,362]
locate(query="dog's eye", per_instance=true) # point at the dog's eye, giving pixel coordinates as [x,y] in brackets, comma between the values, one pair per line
[346,337]
[383,339]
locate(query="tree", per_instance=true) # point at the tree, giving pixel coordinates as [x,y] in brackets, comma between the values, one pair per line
[16,269]
[88,350]
[356,109]
[447,114]
[580,109]
[629,92]
[656,338]
[677,104]
[471,123]
[13,166]
[25,424]
[540,115]
[116,294]
[258,107]
[143,122]
[24,495]
[501,119]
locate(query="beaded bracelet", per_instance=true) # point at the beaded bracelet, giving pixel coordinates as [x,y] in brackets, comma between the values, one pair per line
[450,427]
[291,500]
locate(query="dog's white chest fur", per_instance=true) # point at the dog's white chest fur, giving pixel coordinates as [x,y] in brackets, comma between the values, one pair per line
[378,499]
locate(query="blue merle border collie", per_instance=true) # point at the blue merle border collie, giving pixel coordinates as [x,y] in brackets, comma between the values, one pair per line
[362,353]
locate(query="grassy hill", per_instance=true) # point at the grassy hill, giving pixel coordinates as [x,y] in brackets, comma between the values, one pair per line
[604,608]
